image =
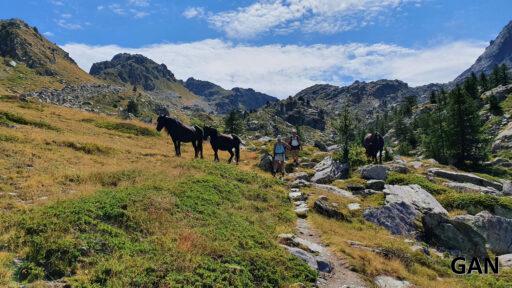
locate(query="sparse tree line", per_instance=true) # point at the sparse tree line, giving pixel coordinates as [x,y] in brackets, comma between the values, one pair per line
[450,129]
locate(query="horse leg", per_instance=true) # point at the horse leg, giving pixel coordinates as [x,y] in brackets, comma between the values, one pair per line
[176,148]
[194,144]
[380,160]
[179,149]
[231,154]
[200,146]
[237,153]
[216,155]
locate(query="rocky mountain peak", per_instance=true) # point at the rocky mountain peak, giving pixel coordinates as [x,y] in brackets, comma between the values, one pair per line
[23,43]
[498,52]
[133,69]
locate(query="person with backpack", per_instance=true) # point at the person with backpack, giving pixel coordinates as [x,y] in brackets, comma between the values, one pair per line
[295,146]
[279,156]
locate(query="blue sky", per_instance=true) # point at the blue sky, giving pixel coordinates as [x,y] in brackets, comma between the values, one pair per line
[276,46]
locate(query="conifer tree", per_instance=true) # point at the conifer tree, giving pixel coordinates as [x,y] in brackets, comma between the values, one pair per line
[233,123]
[483,82]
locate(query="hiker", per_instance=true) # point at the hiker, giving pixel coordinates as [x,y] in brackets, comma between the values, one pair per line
[279,156]
[295,146]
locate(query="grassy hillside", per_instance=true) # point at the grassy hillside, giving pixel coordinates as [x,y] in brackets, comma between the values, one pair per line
[101,202]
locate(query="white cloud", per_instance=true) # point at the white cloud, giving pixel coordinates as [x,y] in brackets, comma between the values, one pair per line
[192,12]
[283,70]
[133,8]
[324,16]
[48,34]
[67,25]
[140,3]
[66,15]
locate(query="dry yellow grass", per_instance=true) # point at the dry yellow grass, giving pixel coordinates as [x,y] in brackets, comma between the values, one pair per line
[42,165]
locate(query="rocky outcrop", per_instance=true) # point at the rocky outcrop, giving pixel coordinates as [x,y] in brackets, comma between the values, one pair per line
[462,177]
[384,281]
[133,69]
[468,187]
[501,92]
[266,162]
[496,230]
[376,172]
[454,235]
[498,52]
[328,209]
[415,196]
[398,218]
[504,139]
[329,170]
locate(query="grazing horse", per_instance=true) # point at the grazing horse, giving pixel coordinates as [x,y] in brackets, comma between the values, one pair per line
[223,142]
[180,132]
[374,144]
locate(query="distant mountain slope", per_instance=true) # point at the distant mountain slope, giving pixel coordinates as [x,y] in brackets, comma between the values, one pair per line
[25,53]
[498,52]
[135,70]
[225,100]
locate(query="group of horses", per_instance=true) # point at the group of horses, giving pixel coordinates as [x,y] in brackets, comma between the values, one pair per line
[180,132]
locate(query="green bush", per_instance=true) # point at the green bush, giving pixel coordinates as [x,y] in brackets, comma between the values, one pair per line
[28,272]
[473,202]
[356,155]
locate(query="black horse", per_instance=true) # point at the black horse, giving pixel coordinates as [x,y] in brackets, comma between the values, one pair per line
[180,132]
[374,144]
[223,142]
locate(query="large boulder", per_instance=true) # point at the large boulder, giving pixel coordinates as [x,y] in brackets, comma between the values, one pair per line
[328,209]
[399,218]
[501,92]
[504,139]
[469,187]
[384,281]
[375,185]
[329,170]
[462,177]
[334,190]
[266,162]
[415,196]
[398,168]
[454,235]
[377,172]
[496,230]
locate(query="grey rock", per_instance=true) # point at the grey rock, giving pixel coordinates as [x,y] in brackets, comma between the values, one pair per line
[469,187]
[464,178]
[304,255]
[354,206]
[415,196]
[301,212]
[378,172]
[294,241]
[329,170]
[321,146]
[384,281]
[298,176]
[266,162]
[265,139]
[324,265]
[496,230]
[335,190]
[501,92]
[504,139]
[332,148]
[398,168]
[300,183]
[375,185]
[505,260]
[366,192]
[355,187]
[453,235]
[324,207]
[296,196]
[507,188]
[399,218]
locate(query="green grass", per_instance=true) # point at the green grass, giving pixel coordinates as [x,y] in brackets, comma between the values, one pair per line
[123,127]
[201,231]
[8,138]
[473,202]
[408,179]
[11,118]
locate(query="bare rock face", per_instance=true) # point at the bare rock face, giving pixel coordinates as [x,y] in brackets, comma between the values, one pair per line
[496,230]
[374,172]
[398,218]
[504,139]
[453,235]
[462,177]
[328,209]
[329,170]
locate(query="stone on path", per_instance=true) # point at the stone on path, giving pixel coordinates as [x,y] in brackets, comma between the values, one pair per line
[324,207]
[384,281]
[335,190]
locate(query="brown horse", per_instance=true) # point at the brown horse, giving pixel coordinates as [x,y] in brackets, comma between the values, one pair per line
[374,144]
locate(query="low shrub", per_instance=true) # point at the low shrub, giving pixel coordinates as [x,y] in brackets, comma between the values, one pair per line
[11,118]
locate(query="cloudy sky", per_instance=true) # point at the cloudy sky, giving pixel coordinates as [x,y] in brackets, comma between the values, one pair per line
[276,46]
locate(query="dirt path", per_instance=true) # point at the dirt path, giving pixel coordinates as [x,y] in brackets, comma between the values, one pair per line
[340,276]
